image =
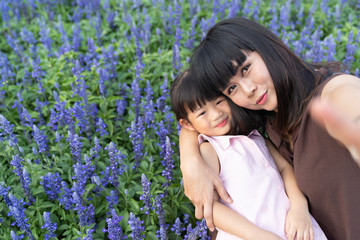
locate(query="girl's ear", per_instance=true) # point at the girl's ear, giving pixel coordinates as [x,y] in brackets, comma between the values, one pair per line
[186,124]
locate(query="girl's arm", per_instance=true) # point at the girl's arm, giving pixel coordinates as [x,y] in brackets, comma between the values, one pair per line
[232,222]
[225,218]
[338,110]
[199,179]
[298,221]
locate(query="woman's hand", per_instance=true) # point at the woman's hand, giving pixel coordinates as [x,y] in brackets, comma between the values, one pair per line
[199,179]
[199,184]
[340,127]
[298,224]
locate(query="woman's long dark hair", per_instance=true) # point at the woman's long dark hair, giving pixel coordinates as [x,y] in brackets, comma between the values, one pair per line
[212,65]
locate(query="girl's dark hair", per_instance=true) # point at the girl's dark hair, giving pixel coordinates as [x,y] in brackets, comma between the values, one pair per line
[186,95]
[217,58]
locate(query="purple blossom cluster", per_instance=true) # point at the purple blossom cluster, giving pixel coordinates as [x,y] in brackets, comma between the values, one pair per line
[52,185]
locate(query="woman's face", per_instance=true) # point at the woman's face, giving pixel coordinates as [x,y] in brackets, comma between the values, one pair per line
[252,86]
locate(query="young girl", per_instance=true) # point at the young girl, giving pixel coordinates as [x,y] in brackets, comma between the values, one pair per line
[260,209]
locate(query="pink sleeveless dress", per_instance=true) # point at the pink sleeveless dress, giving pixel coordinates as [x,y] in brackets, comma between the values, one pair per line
[250,176]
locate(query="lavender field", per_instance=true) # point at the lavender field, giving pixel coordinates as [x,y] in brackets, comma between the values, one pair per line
[88,140]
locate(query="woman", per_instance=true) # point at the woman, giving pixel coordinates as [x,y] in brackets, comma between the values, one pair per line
[254,68]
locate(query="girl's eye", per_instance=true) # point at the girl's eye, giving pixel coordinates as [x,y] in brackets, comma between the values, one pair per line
[245,69]
[220,101]
[202,113]
[231,89]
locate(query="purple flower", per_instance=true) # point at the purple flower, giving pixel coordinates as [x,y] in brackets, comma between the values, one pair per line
[145,197]
[161,233]
[6,70]
[149,108]
[59,115]
[97,147]
[6,130]
[136,97]
[101,127]
[28,36]
[98,22]
[103,77]
[58,136]
[113,199]
[136,227]
[89,235]
[77,71]
[176,47]
[37,74]
[45,34]
[192,33]
[169,163]
[75,146]
[5,11]
[162,132]
[17,211]
[76,40]
[41,139]
[110,62]
[52,185]
[23,176]
[120,109]
[80,208]
[137,132]
[114,229]
[4,191]
[177,227]
[116,161]
[50,226]
[79,114]
[66,198]
[91,57]
[25,117]
[82,174]
[39,106]
[14,236]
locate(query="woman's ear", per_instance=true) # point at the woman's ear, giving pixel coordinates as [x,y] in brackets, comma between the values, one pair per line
[186,124]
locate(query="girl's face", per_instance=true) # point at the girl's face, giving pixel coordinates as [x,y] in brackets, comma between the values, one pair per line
[212,119]
[252,86]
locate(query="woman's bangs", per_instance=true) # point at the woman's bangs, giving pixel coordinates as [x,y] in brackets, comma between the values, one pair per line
[214,63]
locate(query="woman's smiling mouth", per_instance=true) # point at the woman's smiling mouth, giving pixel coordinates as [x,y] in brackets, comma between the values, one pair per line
[262,99]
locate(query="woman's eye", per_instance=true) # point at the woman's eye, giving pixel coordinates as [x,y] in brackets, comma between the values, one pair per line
[245,69]
[231,89]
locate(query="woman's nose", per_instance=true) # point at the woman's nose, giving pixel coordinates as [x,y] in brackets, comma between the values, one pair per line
[248,87]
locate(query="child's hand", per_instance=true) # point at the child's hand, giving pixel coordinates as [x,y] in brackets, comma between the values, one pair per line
[298,224]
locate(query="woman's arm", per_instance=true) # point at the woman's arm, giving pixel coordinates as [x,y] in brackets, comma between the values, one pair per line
[298,220]
[199,179]
[225,218]
[338,110]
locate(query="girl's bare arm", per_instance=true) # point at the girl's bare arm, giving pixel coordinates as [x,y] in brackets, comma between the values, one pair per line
[298,221]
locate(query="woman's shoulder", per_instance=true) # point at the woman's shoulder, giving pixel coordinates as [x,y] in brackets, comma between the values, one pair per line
[339,85]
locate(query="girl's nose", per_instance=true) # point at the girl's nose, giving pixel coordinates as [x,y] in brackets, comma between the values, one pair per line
[216,113]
